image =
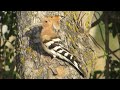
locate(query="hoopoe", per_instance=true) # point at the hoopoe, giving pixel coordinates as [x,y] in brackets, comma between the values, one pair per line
[52,43]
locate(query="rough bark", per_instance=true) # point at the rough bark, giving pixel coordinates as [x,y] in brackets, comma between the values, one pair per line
[33,62]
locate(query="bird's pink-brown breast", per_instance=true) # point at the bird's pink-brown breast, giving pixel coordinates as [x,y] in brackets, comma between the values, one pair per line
[49,24]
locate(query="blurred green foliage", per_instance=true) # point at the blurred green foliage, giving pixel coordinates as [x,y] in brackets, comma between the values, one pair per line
[7,54]
[113,21]
[113,18]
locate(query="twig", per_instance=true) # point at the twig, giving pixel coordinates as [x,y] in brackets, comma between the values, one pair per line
[111,52]
[98,21]
[114,54]
[95,42]
[100,30]
[106,46]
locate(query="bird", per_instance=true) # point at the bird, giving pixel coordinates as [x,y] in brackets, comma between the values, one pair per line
[52,44]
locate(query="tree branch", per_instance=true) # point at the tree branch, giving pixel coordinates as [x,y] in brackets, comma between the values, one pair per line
[106,45]
[97,21]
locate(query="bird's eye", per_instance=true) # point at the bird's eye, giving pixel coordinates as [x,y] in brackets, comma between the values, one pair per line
[46,21]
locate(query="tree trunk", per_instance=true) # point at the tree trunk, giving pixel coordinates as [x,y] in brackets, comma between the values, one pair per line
[32,61]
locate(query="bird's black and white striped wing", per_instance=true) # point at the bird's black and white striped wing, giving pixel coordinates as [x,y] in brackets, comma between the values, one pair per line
[55,48]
